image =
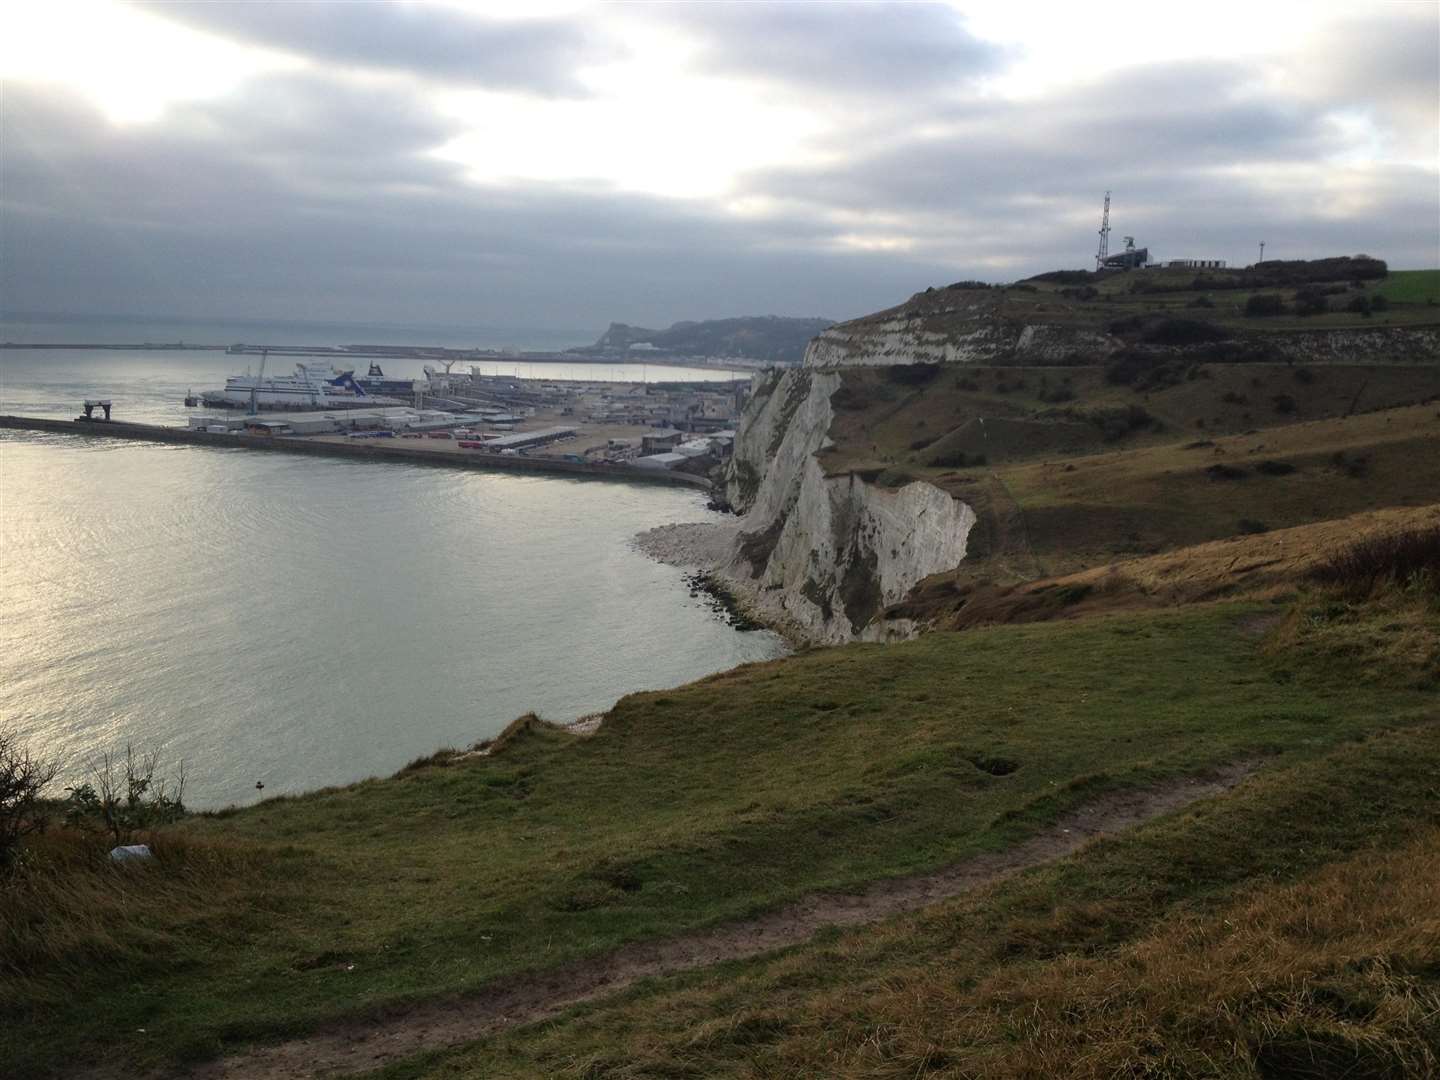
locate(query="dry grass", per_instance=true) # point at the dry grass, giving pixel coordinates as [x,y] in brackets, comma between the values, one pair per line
[69,911]
[1399,558]
[1259,566]
[1332,976]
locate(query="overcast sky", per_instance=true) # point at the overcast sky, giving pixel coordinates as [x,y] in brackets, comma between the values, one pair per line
[533,164]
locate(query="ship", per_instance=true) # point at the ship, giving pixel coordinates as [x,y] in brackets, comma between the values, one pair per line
[312,386]
[375,381]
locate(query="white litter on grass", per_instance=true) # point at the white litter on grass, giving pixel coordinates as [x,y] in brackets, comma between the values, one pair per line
[131,851]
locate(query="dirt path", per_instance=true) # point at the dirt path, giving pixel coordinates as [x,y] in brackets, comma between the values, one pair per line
[353,1047]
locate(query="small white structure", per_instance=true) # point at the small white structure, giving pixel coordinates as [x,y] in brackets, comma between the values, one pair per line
[660,461]
[1196,264]
[693,448]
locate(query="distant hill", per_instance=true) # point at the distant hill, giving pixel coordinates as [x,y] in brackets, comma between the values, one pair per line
[764,337]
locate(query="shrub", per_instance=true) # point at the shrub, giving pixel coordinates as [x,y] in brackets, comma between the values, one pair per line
[1201,302]
[894,478]
[23,779]
[1219,471]
[1250,527]
[1181,332]
[1283,403]
[1067,277]
[1359,304]
[921,444]
[1275,468]
[1230,397]
[1057,394]
[969,285]
[126,794]
[1310,301]
[1403,558]
[955,459]
[1352,466]
[1304,376]
[1379,303]
[1263,304]
[911,374]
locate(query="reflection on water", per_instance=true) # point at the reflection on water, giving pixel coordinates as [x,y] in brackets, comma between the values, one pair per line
[307,621]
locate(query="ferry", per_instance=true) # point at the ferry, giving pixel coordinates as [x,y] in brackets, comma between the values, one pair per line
[375,381]
[312,386]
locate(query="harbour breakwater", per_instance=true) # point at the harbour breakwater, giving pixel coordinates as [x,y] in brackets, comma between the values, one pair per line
[361,449]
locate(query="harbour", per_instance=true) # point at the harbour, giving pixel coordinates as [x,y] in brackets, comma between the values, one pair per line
[441,453]
[331,609]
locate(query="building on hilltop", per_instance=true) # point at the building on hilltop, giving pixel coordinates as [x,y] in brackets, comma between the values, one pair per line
[1132,258]
[1196,264]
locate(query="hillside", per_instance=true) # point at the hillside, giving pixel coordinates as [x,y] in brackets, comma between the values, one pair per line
[1306,312]
[1142,784]
[496,881]
[1002,434]
[770,338]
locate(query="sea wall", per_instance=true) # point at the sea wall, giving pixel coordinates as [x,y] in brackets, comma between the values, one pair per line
[365,449]
[821,556]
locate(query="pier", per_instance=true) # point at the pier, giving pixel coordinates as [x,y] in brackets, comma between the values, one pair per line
[361,449]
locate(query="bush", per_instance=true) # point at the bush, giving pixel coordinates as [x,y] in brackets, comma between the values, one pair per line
[911,374]
[1403,558]
[1360,305]
[1263,304]
[955,459]
[1310,301]
[1219,471]
[23,779]
[1250,527]
[969,285]
[1067,277]
[1181,332]
[894,478]
[125,795]
[1275,468]
[1283,403]
[1379,303]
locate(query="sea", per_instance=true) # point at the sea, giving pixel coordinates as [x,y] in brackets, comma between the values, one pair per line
[299,622]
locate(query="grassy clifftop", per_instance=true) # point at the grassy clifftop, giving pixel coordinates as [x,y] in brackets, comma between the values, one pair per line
[745,791]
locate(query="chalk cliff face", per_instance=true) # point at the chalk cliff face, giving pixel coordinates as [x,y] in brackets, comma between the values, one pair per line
[824,555]
[966,330]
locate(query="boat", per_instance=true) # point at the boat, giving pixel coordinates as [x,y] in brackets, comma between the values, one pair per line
[375,381]
[312,386]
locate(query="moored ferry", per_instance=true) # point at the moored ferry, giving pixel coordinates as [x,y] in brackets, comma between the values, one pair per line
[312,386]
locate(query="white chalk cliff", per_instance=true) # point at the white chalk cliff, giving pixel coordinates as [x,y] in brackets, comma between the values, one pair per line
[822,555]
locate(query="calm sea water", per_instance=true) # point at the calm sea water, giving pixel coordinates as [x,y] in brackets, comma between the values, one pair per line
[302,621]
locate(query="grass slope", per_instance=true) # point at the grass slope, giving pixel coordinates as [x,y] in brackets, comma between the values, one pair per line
[728,796]
[1257,936]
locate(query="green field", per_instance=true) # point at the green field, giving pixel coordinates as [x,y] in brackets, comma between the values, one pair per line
[729,796]
[1411,287]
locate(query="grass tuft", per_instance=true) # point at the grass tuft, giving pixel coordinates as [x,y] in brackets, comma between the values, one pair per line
[1408,558]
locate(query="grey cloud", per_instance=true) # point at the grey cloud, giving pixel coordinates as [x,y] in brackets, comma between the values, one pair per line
[1188,148]
[866,49]
[1388,61]
[536,55]
[182,219]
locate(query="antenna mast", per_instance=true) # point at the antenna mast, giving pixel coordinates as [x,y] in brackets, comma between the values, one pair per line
[1104,235]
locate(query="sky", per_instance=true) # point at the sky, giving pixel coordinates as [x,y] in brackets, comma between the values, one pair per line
[565,165]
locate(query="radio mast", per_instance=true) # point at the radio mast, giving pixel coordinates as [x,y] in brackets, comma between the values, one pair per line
[1104,235]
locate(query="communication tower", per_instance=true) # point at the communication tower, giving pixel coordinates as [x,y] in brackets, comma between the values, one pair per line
[1104,235]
